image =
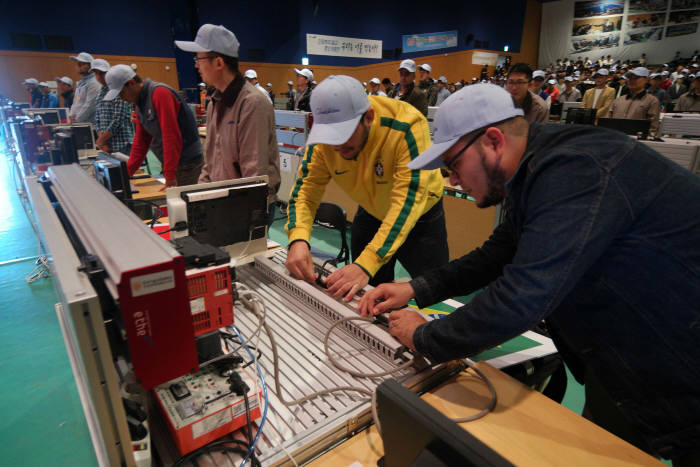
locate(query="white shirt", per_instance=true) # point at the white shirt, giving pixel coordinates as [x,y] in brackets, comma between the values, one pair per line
[262,90]
[85,99]
[596,95]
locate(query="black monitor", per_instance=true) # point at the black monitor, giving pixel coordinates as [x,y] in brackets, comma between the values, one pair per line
[581,116]
[629,126]
[84,138]
[66,152]
[113,175]
[416,434]
[51,117]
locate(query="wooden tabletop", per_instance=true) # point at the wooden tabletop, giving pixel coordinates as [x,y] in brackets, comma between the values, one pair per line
[526,428]
[149,189]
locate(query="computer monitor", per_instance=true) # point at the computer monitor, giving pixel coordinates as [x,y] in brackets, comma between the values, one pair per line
[629,126]
[581,116]
[48,116]
[230,214]
[84,138]
[113,175]
[416,434]
[566,106]
[66,151]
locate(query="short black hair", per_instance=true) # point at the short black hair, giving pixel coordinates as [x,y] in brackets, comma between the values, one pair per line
[230,62]
[521,68]
[386,81]
[137,78]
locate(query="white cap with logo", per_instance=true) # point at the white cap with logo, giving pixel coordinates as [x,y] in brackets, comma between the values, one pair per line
[83,57]
[251,74]
[538,74]
[408,65]
[305,72]
[337,104]
[100,64]
[116,78]
[65,80]
[212,38]
[426,67]
[470,109]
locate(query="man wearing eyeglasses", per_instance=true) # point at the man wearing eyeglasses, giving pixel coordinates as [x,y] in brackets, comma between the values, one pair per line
[364,143]
[165,124]
[593,243]
[517,84]
[241,136]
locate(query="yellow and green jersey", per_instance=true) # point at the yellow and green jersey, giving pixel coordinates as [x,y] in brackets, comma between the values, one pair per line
[377,179]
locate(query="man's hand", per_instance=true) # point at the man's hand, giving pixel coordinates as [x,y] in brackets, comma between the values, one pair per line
[346,281]
[386,297]
[169,182]
[299,262]
[103,137]
[402,325]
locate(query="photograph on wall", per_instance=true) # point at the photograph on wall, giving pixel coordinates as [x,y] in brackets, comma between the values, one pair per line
[644,6]
[584,27]
[681,29]
[643,35]
[589,9]
[687,16]
[645,21]
[684,4]
[587,43]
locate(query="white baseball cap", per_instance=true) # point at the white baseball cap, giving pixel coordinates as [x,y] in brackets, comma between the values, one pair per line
[442,79]
[640,71]
[337,104]
[31,81]
[269,85]
[655,76]
[685,70]
[305,72]
[408,65]
[44,84]
[116,78]
[602,72]
[375,81]
[664,73]
[83,57]
[100,64]
[289,83]
[538,74]
[569,78]
[250,74]
[65,80]
[212,38]
[552,81]
[472,108]
[426,67]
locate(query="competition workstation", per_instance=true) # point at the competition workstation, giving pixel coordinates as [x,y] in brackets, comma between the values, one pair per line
[203,345]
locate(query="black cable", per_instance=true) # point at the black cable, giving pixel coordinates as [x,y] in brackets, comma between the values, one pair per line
[252,347]
[213,447]
[250,428]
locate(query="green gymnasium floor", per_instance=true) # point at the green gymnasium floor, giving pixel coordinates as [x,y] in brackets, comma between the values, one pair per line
[43,422]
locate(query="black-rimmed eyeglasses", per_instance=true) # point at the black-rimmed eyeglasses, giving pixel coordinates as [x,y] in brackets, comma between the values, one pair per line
[454,158]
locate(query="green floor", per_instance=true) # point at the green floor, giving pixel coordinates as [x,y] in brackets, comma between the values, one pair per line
[43,422]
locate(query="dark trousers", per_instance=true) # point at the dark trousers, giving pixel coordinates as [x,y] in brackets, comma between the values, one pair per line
[188,172]
[425,247]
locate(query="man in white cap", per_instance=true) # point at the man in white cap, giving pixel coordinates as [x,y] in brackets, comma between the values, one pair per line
[570,93]
[374,88]
[86,91]
[241,136]
[49,100]
[65,89]
[638,103]
[406,89]
[270,92]
[115,132]
[165,125]
[34,94]
[364,143]
[252,77]
[517,84]
[655,90]
[427,84]
[690,101]
[676,90]
[551,91]
[592,243]
[443,92]
[601,96]
[302,97]
[291,95]
[537,83]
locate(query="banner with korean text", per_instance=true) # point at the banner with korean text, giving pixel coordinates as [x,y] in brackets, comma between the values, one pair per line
[317,44]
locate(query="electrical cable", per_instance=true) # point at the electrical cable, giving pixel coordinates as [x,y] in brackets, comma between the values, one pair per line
[213,447]
[492,389]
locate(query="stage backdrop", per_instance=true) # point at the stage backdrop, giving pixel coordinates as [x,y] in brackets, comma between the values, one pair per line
[624,29]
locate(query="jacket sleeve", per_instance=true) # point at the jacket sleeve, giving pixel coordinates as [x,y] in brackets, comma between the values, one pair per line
[255,125]
[413,193]
[653,114]
[167,108]
[204,175]
[306,194]
[87,113]
[420,101]
[605,102]
[567,227]
[139,149]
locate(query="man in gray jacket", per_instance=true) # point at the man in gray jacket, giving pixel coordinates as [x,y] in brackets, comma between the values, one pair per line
[86,91]
[241,138]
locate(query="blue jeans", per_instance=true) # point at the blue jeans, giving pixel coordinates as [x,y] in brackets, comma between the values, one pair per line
[425,247]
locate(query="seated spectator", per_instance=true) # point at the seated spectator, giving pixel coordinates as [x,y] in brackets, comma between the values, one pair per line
[655,90]
[551,91]
[600,97]
[638,104]
[691,99]
[517,84]
[570,94]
